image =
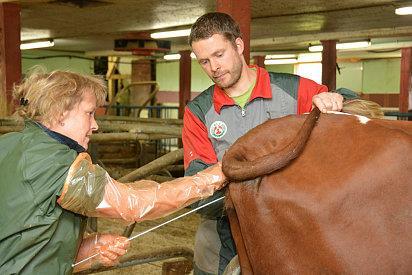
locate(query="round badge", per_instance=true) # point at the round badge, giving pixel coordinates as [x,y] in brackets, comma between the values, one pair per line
[218,129]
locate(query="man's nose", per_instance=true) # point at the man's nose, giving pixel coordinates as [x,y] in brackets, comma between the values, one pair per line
[215,66]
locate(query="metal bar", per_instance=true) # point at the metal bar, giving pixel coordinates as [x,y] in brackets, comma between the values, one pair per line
[157,226]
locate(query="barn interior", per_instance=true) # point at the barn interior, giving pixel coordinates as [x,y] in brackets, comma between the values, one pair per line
[151,77]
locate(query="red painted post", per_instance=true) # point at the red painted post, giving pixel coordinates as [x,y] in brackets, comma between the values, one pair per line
[10,55]
[185,74]
[240,11]
[259,60]
[405,92]
[329,64]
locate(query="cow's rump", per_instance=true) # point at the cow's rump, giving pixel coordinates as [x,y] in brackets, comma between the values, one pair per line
[344,205]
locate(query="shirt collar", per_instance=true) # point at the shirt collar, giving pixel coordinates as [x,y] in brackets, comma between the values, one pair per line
[262,89]
[62,138]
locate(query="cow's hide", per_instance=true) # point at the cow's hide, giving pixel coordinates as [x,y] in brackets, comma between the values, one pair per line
[344,205]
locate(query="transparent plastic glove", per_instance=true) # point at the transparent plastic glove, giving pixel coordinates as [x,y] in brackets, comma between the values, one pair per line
[90,191]
[109,247]
[145,199]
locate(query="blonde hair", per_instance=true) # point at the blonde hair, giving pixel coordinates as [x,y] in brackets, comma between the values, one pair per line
[44,97]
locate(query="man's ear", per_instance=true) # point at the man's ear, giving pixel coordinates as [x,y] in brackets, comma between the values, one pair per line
[240,46]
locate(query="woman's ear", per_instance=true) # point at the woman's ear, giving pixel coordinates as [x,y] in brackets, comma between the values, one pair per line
[62,118]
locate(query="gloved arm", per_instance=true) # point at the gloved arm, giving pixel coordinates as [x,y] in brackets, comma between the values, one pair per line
[90,191]
[109,247]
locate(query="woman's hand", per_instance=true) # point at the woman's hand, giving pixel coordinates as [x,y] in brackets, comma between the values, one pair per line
[215,175]
[109,247]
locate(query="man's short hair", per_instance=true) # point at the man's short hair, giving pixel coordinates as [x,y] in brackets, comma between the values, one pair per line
[214,23]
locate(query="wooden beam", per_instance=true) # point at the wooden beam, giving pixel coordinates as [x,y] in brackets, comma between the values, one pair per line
[405,93]
[10,55]
[185,75]
[241,13]
[329,64]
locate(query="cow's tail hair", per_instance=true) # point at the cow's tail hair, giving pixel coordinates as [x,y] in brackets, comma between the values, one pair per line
[236,168]
[363,107]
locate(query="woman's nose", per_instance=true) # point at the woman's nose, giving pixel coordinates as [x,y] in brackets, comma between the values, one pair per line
[95,126]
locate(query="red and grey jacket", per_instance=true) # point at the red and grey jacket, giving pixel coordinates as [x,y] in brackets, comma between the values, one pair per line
[212,121]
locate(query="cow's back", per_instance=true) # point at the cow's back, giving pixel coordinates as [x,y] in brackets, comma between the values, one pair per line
[343,206]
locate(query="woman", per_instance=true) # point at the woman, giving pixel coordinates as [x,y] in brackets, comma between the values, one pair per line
[48,183]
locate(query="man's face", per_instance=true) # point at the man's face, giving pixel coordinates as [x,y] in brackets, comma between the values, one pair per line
[220,59]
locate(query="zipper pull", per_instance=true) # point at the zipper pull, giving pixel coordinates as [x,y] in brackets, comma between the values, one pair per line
[243,112]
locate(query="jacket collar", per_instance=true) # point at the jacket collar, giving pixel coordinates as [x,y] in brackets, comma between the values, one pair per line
[72,144]
[262,89]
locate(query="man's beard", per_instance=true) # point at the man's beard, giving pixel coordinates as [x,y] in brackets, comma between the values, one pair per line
[236,73]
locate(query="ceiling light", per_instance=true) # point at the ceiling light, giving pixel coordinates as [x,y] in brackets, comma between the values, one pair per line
[316,48]
[352,45]
[36,44]
[276,56]
[404,10]
[179,33]
[309,57]
[281,61]
[342,46]
[177,56]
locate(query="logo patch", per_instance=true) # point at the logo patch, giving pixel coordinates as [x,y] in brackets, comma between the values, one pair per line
[218,129]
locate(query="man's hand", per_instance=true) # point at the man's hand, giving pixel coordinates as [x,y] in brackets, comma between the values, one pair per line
[328,102]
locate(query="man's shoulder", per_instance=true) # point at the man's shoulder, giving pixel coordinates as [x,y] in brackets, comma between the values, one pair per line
[286,82]
[282,77]
[201,104]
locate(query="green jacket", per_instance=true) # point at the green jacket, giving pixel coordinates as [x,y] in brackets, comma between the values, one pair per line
[37,236]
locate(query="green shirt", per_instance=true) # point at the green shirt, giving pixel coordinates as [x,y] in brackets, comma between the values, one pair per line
[244,98]
[37,236]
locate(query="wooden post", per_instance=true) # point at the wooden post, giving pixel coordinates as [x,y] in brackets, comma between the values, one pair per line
[329,64]
[240,12]
[405,94]
[10,55]
[141,72]
[259,60]
[185,75]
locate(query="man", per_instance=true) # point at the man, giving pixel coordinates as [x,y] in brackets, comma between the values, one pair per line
[243,97]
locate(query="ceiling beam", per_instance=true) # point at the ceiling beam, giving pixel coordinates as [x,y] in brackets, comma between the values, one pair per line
[371,33]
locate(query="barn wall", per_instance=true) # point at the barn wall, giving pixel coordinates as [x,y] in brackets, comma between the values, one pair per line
[381,76]
[372,76]
[29,59]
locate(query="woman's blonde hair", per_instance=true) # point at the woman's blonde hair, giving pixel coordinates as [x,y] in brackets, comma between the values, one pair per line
[44,97]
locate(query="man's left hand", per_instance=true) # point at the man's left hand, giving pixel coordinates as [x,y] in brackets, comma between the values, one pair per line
[328,102]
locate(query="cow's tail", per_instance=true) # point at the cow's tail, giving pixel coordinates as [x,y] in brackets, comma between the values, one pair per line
[363,107]
[237,168]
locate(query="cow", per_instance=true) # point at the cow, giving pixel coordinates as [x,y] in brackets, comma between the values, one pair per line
[322,194]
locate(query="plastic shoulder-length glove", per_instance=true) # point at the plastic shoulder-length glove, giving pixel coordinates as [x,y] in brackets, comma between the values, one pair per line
[90,191]
[108,247]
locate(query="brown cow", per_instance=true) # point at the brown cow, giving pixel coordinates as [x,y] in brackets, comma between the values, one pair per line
[344,205]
